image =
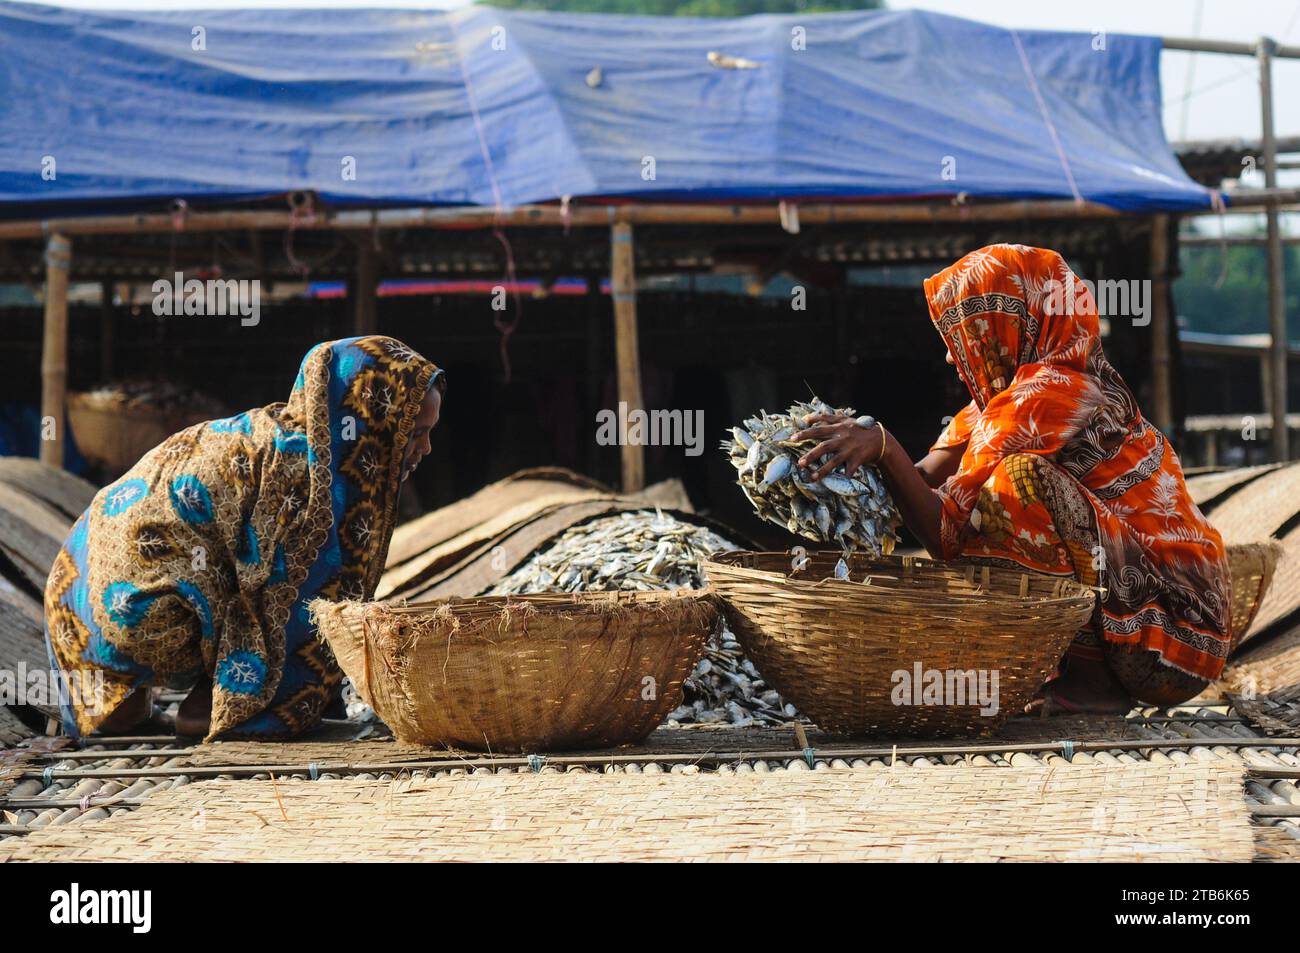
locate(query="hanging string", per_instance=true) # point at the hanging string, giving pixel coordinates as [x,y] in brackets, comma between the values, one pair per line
[1216,201]
[180,209]
[301,213]
[505,326]
[1047,119]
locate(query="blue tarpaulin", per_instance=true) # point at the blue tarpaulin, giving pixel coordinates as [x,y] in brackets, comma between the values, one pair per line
[483,107]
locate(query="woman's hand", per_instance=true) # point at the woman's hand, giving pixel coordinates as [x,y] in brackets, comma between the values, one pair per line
[848,444]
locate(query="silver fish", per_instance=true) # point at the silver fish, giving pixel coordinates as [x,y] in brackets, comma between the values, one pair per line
[854,509]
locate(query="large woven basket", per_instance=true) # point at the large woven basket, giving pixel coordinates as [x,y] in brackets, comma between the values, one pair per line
[857,657]
[1252,566]
[523,673]
[116,436]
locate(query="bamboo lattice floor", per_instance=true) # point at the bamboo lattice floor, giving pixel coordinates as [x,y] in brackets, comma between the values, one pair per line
[82,792]
[1133,812]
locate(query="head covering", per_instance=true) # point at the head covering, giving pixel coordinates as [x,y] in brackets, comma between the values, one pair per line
[1023,333]
[202,558]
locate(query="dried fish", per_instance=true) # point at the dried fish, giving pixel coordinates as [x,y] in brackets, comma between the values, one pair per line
[853,510]
[651,550]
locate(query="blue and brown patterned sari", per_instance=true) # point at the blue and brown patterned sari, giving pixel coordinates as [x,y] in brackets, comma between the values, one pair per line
[200,561]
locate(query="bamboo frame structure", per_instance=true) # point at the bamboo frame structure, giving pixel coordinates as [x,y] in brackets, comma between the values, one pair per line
[627,347]
[54,347]
[620,219]
[1161,378]
[1276,267]
[469,762]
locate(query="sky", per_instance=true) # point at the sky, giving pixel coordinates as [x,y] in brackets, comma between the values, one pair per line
[1223,100]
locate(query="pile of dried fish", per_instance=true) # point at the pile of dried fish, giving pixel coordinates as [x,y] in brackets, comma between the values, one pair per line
[633,550]
[651,550]
[164,396]
[853,510]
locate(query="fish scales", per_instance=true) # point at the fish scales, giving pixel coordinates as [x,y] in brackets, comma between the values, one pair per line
[851,510]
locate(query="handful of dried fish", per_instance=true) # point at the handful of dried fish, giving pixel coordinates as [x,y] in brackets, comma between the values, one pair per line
[853,510]
[652,550]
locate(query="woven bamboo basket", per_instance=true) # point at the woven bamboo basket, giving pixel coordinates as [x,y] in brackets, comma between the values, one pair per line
[115,436]
[1252,566]
[548,672]
[862,657]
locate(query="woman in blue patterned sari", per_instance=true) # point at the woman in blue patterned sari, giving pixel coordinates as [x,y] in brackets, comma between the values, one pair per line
[194,569]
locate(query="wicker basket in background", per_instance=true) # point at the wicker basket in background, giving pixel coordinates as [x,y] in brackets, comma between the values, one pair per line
[1252,566]
[114,436]
[835,648]
[547,672]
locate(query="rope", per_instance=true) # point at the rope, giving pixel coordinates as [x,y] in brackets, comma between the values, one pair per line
[505,327]
[808,756]
[1221,207]
[535,762]
[302,214]
[1051,127]
[313,771]
[47,776]
[1067,750]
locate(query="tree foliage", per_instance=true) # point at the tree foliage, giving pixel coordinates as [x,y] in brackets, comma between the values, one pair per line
[1238,305]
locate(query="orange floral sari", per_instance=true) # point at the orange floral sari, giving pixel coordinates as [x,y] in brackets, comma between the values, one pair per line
[1061,473]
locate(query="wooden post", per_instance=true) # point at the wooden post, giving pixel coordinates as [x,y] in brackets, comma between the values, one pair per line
[105,331]
[1162,402]
[1276,265]
[54,349]
[623,291]
[365,317]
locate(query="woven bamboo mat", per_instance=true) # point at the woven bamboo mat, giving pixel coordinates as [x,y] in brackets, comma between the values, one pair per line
[501,553]
[21,638]
[1282,600]
[1211,489]
[31,533]
[436,527]
[1137,812]
[12,731]
[1275,846]
[1257,510]
[1262,668]
[324,750]
[1278,712]
[67,493]
[400,580]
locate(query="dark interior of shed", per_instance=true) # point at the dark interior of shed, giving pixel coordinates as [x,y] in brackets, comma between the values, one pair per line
[863,338]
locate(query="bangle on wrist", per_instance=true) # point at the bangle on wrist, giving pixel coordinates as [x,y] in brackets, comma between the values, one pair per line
[884,442]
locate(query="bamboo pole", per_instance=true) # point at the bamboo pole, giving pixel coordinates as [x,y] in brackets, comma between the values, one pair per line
[552,216]
[106,331]
[365,287]
[1198,45]
[627,348]
[54,349]
[1276,264]
[1161,387]
[468,762]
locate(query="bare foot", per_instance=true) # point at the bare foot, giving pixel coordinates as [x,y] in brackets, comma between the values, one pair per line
[1083,688]
[1054,703]
[134,711]
[194,714]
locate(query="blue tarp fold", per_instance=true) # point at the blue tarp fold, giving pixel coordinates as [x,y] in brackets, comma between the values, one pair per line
[482,106]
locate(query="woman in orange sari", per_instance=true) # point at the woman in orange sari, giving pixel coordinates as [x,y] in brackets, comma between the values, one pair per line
[1052,467]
